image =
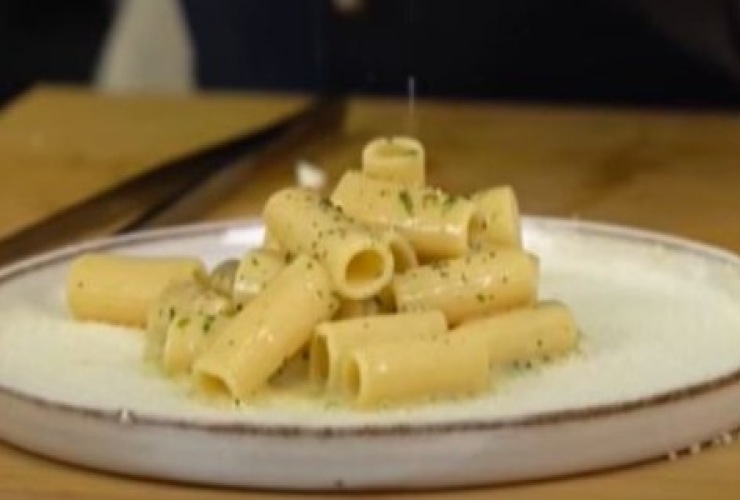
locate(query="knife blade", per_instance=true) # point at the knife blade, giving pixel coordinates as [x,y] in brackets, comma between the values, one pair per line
[138,202]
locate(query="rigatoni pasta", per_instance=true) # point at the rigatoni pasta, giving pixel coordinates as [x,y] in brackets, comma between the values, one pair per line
[188,335]
[390,292]
[416,369]
[395,159]
[525,335]
[268,330]
[333,341]
[481,282]
[359,263]
[437,224]
[497,223]
[404,255]
[255,270]
[181,300]
[120,289]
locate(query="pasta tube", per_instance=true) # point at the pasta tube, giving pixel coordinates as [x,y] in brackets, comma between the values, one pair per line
[359,263]
[404,256]
[543,331]
[477,284]
[497,224]
[334,340]
[256,269]
[416,369]
[187,336]
[436,224]
[120,289]
[180,300]
[270,329]
[395,159]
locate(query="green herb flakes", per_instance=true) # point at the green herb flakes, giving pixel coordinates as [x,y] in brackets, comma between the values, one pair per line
[208,323]
[406,201]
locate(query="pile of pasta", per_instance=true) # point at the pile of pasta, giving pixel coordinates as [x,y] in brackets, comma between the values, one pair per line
[391,292]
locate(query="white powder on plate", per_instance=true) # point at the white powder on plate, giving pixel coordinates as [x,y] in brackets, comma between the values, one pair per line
[652,320]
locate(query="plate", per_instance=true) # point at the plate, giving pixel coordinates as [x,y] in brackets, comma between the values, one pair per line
[658,370]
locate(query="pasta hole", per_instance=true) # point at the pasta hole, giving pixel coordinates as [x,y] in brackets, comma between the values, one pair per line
[352,378]
[211,385]
[366,266]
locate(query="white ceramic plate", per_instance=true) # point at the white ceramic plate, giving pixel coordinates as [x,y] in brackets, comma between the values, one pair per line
[658,370]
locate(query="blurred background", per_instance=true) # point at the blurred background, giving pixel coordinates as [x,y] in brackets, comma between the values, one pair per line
[647,52]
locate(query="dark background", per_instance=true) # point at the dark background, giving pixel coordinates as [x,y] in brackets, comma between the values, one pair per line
[603,51]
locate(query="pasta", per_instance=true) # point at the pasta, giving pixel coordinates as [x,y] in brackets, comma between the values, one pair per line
[417,368]
[178,301]
[333,341]
[404,256]
[395,159]
[257,268]
[479,283]
[269,330]
[497,224]
[390,292]
[187,336]
[120,289]
[525,335]
[359,263]
[436,224]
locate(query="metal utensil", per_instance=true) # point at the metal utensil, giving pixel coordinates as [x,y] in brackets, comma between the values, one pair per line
[155,198]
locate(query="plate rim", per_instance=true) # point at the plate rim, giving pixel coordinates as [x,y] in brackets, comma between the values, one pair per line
[128,417]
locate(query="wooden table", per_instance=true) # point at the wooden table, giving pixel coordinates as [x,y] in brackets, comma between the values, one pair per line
[666,171]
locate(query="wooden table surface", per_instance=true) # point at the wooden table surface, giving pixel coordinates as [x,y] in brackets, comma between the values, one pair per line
[669,171]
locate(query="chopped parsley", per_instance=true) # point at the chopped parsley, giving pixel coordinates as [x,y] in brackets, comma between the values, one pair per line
[208,323]
[406,201]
